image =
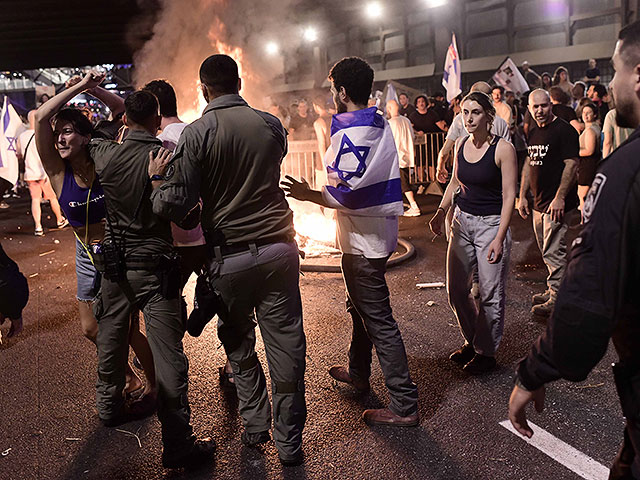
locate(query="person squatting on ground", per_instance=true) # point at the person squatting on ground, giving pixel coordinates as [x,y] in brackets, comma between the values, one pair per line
[368,203]
[483,190]
[598,298]
[403,136]
[550,173]
[14,294]
[231,158]
[62,136]
[36,178]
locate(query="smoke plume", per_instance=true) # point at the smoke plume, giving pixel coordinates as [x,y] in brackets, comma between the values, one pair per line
[188,31]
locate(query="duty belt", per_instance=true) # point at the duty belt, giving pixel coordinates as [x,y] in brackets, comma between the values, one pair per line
[244,246]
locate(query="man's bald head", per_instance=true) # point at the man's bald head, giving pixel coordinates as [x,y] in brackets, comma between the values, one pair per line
[540,107]
[483,87]
[393,109]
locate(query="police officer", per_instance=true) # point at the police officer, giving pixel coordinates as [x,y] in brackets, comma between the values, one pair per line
[598,297]
[231,158]
[141,273]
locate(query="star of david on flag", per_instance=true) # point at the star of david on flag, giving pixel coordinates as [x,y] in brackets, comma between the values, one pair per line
[10,128]
[348,148]
[362,166]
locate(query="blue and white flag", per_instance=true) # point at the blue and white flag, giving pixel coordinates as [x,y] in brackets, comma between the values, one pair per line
[10,129]
[452,76]
[362,166]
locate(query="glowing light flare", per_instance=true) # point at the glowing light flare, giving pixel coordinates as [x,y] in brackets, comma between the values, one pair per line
[315,233]
[374,10]
[271,48]
[436,3]
[310,34]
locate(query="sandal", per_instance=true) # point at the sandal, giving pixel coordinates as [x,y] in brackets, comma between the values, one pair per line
[226,378]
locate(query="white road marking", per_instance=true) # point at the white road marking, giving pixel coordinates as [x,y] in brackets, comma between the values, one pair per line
[562,453]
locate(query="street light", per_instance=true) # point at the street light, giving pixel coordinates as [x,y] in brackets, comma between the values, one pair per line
[272,48]
[436,3]
[374,10]
[310,34]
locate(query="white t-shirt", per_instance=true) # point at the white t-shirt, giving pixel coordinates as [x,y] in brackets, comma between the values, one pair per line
[181,238]
[373,237]
[403,135]
[457,128]
[33,169]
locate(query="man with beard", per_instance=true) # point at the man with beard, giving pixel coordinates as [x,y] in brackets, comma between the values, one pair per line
[368,202]
[550,173]
[598,298]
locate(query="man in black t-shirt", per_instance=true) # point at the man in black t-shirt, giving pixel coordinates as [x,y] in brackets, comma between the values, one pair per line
[549,173]
[406,108]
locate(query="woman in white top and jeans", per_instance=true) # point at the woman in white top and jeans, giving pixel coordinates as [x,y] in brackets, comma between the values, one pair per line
[484,185]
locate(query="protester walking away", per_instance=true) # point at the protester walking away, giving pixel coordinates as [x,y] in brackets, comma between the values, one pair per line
[550,173]
[598,299]
[36,178]
[485,174]
[61,137]
[368,202]
[14,294]
[403,136]
[231,158]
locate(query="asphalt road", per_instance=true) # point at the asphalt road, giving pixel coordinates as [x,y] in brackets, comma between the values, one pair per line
[49,427]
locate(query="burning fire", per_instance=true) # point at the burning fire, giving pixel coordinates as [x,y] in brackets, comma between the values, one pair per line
[315,229]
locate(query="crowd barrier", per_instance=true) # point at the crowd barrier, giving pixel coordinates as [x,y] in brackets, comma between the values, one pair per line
[303,160]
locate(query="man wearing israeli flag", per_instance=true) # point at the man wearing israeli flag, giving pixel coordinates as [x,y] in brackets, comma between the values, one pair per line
[364,188]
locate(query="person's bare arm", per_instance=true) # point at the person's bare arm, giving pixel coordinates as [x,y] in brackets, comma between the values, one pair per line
[435,224]
[443,156]
[301,191]
[576,124]
[556,208]
[589,144]
[607,145]
[114,102]
[321,131]
[442,125]
[506,161]
[523,203]
[45,140]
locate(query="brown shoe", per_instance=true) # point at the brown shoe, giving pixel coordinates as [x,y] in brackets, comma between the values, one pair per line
[341,374]
[384,416]
[544,309]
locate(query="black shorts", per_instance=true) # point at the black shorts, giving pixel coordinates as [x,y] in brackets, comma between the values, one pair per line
[404,180]
[587,170]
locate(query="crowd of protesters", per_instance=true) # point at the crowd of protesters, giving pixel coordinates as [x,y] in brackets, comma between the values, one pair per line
[121,191]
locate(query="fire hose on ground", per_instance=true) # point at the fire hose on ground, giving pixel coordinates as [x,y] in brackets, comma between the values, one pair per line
[409,253]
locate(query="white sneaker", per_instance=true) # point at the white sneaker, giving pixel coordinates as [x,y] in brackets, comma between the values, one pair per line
[412,212]
[4,204]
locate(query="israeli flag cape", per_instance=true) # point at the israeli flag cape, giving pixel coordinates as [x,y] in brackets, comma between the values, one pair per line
[362,166]
[10,129]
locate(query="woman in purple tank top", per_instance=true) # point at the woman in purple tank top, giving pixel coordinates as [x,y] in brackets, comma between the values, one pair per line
[483,189]
[62,136]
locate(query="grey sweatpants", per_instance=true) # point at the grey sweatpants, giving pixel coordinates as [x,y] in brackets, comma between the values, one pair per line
[263,283]
[551,239]
[471,235]
[373,324]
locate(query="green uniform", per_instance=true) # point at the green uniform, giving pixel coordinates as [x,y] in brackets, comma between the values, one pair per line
[150,286]
[231,159]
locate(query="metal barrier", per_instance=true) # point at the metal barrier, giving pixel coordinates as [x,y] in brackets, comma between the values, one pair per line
[426,148]
[303,161]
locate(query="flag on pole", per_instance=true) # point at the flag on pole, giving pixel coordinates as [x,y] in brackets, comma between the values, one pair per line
[510,78]
[10,128]
[391,93]
[452,77]
[362,166]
